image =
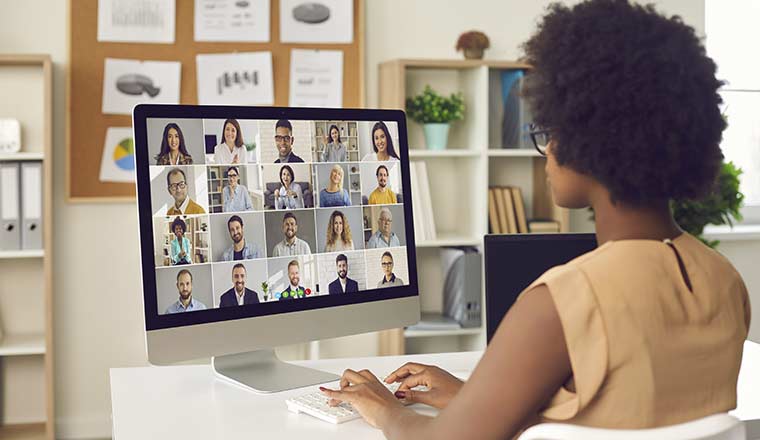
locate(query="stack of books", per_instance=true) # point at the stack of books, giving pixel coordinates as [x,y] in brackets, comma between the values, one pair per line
[422,205]
[506,213]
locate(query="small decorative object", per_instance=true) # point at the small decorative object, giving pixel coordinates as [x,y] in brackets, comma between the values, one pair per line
[265,288]
[473,43]
[435,112]
[10,136]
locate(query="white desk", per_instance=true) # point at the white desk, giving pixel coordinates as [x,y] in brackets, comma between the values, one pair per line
[187,402]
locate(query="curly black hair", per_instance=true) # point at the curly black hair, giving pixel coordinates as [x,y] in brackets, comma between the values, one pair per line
[631,98]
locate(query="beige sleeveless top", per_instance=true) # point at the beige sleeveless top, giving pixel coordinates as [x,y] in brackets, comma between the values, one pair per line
[646,350]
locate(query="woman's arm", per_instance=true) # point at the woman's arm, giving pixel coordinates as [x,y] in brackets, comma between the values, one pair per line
[247,197]
[226,198]
[188,249]
[174,251]
[298,202]
[522,368]
[346,198]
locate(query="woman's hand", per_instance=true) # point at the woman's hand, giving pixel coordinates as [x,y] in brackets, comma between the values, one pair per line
[367,395]
[235,158]
[442,386]
[277,192]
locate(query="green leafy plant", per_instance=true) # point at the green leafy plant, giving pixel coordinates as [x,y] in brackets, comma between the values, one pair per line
[718,208]
[265,288]
[430,107]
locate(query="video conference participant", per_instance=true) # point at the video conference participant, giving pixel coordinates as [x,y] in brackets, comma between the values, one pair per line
[338,233]
[389,278]
[240,249]
[382,195]
[176,183]
[334,194]
[334,151]
[173,150]
[235,196]
[290,194]
[181,249]
[342,284]
[232,149]
[186,302]
[291,245]
[384,236]
[284,140]
[382,144]
[238,295]
[294,290]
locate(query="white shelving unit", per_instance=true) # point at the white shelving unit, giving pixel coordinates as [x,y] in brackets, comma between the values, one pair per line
[459,178]
[26,295]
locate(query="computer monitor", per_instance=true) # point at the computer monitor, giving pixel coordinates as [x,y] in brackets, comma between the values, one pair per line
[297,226]
[515,261]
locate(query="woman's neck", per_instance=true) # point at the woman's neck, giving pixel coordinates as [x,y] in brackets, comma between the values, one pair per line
[628,222]
[383,155]
[230,145]
[173,154]
[332,187]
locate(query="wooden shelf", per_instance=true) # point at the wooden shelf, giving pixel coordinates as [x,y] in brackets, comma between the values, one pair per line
[35,253]
[457,63]
[32,431]
[437,333]
[513,152]
[22,156]
[450,240]
[443,153]
[22,344]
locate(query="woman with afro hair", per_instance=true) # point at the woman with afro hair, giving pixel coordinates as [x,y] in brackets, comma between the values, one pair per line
[645,331]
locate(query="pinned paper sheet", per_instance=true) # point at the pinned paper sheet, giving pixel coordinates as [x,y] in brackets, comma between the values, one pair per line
[232,20]
[235,79]
[118,162]
[318,21]
[316,78]
[127,83]
[143,21]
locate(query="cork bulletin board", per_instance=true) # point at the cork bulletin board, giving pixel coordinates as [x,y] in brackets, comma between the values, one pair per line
[86,125]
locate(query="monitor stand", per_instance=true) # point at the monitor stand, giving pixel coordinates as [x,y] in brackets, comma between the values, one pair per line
[262,371]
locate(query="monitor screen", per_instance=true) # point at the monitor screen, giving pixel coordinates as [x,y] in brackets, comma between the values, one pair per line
[248,212]
[513,262]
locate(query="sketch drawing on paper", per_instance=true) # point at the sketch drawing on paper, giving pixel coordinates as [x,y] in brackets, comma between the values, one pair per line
[135,84]
[227,80]
[311,13]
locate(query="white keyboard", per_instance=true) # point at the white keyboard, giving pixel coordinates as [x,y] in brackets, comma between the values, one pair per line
[315,404]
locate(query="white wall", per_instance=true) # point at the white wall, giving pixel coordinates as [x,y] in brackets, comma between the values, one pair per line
[98,309]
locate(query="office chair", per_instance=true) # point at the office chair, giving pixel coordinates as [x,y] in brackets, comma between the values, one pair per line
[714,427]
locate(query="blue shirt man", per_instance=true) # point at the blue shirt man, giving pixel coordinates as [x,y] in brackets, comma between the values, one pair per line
[186,302]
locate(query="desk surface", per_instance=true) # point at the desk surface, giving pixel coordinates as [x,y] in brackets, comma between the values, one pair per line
[188,402]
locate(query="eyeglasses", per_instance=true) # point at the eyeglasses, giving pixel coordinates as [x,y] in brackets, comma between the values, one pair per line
[285,139]
[178,185]
[387,264]
[540,137]
[232,175]
[386,220]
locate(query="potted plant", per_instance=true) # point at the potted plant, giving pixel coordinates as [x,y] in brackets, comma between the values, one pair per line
[473,43]
[435,112]
[718,208]
[250,148]
[265,288]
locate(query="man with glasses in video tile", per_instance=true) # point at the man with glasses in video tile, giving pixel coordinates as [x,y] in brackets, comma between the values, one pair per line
[176,183]
[284,140]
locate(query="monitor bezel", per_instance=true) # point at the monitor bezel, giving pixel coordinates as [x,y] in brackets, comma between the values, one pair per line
[156,321]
